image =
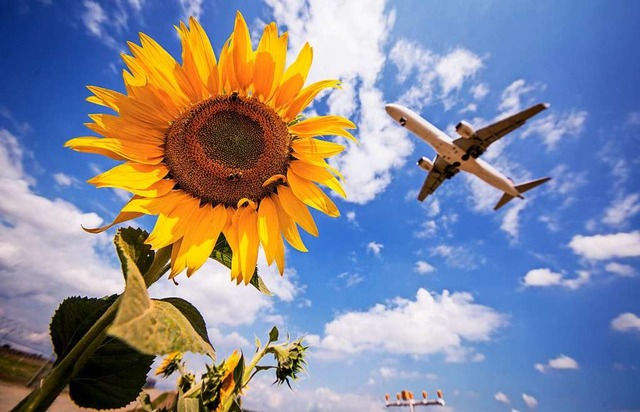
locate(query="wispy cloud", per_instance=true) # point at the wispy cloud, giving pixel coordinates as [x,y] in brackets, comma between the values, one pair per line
[191,8]
[621,210]
[502,397]
[423,267]
[434,76]
[530,401]
[554,127]
[375,248]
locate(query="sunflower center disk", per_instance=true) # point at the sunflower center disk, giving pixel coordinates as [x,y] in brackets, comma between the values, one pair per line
[223,149]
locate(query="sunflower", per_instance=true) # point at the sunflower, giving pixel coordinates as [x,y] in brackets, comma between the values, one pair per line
[218,146]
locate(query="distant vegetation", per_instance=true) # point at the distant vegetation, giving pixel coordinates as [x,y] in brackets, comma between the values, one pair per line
[19,367]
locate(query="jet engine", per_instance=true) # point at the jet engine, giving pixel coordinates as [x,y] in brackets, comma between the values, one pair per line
[465,130]
[425,163]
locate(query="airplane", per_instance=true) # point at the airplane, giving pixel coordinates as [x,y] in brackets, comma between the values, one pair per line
[464,152]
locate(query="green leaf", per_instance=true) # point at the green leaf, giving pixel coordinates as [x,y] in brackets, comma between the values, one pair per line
[130,241]
[154,327]
[193,316]
[259,284]
[258,344]
[115,374]
[188,404]
[274,334]
[223,254]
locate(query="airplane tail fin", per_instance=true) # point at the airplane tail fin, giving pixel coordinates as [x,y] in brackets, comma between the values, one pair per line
[521,188]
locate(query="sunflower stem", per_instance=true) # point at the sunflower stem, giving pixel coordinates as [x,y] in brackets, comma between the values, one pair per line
[41,398]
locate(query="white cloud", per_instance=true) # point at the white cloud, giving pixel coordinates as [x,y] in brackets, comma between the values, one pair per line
[375,248]
[622,209]
[626,322]
[620,269]
[64,180]
[470,108]
[511,220]
[456,67]
[95,20]
[430,324]
[263,396]
[42,241]
[427,229]
[479,91]
[430,70]
[530,401]
[502,397]
[604,247]
[553,127]
[351,216]
[544,277]
[136,4]
[222,302]
[561,362]
[383,147]
[423,267]
[391,373]
[512,95]
[191,8]
[457,256]
[351,279]
[226,342]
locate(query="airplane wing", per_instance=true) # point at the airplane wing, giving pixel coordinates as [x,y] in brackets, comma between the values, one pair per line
[483,137]
[435,177]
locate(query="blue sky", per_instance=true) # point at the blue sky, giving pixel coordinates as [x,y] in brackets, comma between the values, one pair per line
[532,307]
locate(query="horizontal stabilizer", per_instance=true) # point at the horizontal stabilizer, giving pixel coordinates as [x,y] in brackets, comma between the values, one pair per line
[521,188]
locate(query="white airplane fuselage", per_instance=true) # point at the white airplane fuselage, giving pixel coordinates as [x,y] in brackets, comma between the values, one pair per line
[444,146]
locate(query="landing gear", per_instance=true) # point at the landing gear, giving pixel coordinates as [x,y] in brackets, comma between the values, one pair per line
[451,170]
[473,151]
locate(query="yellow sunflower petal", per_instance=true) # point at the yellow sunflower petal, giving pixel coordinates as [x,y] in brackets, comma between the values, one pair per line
[280,255]
[305,97]
[161,69]
[288,227]
[175,257]
[242,53]
[317,174]
[198,58]
[315,147]
[248,241]
[173,224]
[324,125]
[294,77]
[310,194]
[231,234]
[122,217]
[141,179]
[225,67]
[118,149]
[297,210]
[204,239]
[265,63]
[268,229]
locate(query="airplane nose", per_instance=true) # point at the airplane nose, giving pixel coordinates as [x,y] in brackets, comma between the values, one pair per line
[391,109]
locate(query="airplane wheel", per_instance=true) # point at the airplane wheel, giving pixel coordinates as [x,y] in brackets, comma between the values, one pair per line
[465,157]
